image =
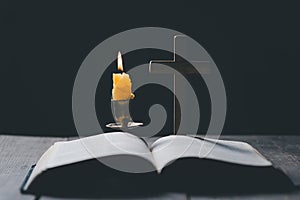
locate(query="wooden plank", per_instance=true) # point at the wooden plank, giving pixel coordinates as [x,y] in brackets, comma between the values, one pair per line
[290,196]
[10,185]
[17,154]
[282,151]
[171,196]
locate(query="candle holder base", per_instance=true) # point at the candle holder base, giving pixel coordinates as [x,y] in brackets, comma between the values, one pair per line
[130,125]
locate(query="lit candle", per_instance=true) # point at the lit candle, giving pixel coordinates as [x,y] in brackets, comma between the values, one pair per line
[121,83]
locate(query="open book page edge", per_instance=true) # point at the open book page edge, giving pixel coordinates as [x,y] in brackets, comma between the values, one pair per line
[231,147]
[40,166]
[47,160]
[234,142]
[98,146]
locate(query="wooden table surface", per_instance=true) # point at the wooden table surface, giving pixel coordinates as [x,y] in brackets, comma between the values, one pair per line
[18,153]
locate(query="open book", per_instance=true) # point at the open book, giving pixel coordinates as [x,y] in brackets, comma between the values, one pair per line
[124,162]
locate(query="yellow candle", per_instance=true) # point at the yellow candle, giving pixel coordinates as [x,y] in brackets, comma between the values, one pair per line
[121,83]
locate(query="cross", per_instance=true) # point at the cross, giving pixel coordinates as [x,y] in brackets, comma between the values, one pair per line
[183,46]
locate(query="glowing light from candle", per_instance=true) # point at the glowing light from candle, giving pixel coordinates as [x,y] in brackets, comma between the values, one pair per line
[120,62]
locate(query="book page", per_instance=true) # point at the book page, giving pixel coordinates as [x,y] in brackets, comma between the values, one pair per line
[170,148]
[102,145]
[98,146]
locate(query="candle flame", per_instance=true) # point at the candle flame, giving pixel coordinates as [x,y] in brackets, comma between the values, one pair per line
[120,62]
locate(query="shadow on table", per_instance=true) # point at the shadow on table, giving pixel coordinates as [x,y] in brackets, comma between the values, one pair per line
[205,177]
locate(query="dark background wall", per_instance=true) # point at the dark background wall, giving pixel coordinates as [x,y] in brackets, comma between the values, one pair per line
[255,45]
